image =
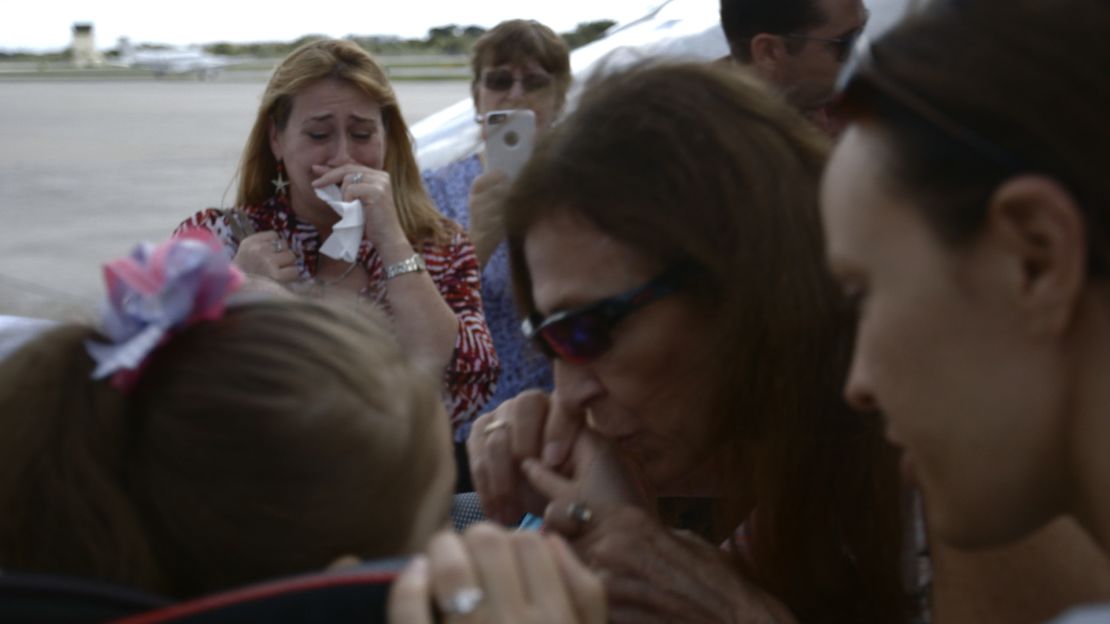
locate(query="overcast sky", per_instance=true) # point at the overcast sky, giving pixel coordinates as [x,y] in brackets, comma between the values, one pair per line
[43,25]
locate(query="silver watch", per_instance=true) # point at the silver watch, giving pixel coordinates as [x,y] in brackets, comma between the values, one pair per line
[413,264]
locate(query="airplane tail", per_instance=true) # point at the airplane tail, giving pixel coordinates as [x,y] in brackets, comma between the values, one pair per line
[126,51]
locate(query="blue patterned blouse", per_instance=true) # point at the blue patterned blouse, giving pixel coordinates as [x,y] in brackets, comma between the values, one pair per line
[522,365]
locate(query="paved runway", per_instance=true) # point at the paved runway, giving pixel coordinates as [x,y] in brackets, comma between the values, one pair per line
[88,168]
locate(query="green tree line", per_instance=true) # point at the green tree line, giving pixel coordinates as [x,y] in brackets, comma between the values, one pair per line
[448,39]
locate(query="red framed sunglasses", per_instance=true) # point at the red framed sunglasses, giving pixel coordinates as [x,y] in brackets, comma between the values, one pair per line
[582,334]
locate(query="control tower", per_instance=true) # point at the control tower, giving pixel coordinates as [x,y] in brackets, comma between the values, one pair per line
[84,48]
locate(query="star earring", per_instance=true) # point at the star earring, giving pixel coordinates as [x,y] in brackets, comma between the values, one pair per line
[280,183]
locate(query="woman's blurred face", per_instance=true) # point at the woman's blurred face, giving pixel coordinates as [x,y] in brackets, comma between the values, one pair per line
[968,391]
[331,124]
[643,392]
[524,85]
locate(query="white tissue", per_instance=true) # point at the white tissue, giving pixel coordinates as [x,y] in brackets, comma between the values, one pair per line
[346,234]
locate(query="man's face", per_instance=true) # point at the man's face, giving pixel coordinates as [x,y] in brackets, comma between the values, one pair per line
[808,75]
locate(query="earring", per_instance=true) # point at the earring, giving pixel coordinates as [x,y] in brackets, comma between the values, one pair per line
[280,183]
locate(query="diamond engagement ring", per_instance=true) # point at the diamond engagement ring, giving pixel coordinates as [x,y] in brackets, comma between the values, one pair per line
[278,245]
[463,602]
[355,179]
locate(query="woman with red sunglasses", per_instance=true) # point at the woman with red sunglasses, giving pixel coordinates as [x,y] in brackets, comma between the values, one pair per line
[665,247]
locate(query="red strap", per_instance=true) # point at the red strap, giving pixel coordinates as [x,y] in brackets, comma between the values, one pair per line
[260,592]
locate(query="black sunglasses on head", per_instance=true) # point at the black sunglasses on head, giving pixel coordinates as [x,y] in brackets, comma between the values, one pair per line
[503,80]
[582,334]
[866,70]
[866,77]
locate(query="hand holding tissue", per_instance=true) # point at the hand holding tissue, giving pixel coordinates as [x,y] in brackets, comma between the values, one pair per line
[346,234]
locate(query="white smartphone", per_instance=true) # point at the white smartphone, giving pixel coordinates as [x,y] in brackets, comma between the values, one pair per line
[510,135]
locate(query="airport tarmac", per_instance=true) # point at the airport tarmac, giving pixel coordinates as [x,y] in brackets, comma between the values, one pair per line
[88,168]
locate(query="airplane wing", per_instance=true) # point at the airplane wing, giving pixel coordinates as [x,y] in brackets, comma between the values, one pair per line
[677,29]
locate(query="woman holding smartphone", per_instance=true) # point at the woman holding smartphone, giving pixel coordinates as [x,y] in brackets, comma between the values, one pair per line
[518,65]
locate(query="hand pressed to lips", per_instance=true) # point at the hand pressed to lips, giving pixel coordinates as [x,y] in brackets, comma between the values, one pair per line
[374,190]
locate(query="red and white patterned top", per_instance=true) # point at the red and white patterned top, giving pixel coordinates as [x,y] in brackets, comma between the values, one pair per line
[471,375]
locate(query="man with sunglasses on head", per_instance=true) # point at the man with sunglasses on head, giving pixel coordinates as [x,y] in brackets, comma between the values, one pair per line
[799,46]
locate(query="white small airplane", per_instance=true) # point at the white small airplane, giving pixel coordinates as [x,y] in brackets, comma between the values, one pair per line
[172,61]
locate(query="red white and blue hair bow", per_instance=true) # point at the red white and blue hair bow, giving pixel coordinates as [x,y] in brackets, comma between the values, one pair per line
[155,291]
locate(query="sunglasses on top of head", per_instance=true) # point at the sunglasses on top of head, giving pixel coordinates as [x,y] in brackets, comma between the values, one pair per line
[582,334]
[865,76]
[866,80]
[503,80]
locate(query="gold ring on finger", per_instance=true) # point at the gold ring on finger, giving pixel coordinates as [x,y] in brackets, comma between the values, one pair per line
[494,426]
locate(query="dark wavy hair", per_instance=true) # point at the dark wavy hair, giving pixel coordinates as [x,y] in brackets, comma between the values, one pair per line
[694,166]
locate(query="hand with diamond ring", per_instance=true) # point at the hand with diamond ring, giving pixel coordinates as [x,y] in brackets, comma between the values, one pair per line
[265,254]
[652,573]
[489,574]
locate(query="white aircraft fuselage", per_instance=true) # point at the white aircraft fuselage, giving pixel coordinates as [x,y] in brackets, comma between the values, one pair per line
[173,61]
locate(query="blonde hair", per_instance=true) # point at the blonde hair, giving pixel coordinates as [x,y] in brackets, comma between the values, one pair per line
[265,443]
[345,61]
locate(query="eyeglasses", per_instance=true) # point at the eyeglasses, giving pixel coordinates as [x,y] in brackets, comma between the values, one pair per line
[503,80]
[583,334]
[842,46]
